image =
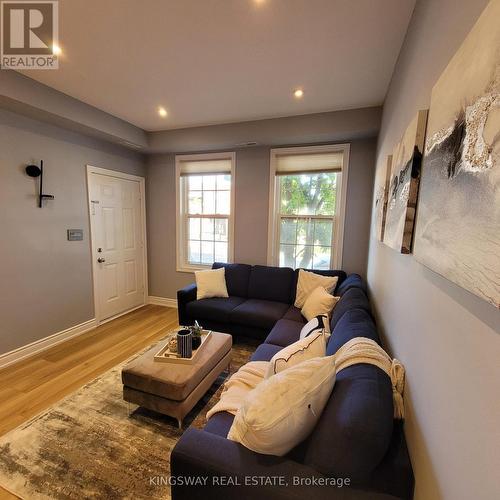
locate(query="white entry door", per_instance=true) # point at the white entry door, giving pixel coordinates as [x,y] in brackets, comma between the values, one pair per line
[116,220]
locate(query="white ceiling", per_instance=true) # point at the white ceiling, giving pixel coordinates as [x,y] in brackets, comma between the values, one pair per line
[219,61]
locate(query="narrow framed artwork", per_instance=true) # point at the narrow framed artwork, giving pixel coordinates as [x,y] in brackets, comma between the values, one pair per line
[381,197]
[404,184]
[458,226]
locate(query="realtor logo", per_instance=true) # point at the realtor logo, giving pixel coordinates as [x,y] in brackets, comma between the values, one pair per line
[29,38]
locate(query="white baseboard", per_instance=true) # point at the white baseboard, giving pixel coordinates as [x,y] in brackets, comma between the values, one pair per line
[119,315]
[38,346]
[162,301]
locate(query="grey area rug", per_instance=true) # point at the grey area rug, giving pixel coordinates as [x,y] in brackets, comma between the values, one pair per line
[92,444]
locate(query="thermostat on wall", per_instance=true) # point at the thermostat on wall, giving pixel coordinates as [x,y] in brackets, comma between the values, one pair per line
[75,234]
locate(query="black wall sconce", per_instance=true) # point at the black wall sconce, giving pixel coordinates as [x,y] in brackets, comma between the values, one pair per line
[35,171]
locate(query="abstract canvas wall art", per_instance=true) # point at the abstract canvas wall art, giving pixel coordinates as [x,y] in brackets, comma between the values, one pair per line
[403,186]
[381,196]
[458,220]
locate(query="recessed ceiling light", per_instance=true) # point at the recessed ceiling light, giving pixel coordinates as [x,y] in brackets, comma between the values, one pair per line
[56,50]
[298,93]
[162,111]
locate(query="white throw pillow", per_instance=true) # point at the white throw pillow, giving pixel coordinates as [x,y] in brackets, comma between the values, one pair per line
[211,283]
[283,410]
[319,322]
[307,348]
[319,302]
[308,282]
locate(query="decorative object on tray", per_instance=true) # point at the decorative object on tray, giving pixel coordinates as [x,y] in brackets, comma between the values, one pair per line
[168,355]
[172,344]
[403,189]
[185,343]
[196,331]
[457,233]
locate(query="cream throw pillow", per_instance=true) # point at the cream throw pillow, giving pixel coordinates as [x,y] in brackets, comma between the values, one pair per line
[319,302]
[309,347]
[283,410]
[211,283]
[317,323]
[308,281]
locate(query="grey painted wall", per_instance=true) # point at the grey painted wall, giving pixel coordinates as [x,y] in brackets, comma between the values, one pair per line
[448,339]
[332,126]
[20,94]
[23,95]
[251,213]
[45,281]
[34,250]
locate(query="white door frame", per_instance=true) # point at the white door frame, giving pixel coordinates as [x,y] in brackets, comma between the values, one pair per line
[142,185]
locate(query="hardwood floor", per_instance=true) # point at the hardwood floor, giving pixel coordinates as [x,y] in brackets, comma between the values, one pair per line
[30,386]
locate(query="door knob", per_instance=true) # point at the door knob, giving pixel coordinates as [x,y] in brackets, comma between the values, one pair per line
[101,260]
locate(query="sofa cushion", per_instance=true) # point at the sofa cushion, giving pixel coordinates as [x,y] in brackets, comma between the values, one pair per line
[284,332]
[271,283]
[220,423]
[265,352]
[354,323]
[294,314]
[394,475]
[355,428]
[249,332]
[259,313]
[354,298]
[352,281]
[214,309]
[333,272]
[237,278]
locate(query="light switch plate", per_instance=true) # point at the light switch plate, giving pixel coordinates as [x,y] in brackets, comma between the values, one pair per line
[75,234]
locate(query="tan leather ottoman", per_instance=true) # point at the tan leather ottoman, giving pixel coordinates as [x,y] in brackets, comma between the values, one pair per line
[173,389]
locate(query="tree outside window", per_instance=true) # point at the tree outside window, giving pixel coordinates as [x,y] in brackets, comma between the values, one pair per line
[307,208]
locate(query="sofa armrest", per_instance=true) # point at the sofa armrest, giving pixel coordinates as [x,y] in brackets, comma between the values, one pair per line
[185,295]
[207,466]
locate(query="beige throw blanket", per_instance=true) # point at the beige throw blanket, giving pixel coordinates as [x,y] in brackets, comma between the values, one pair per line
[238,386]
[363,350]
[357,350]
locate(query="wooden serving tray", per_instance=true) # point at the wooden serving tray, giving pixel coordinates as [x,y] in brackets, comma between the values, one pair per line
[165,355]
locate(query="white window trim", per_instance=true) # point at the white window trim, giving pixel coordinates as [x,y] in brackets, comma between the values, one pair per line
[273,226]
[180,231]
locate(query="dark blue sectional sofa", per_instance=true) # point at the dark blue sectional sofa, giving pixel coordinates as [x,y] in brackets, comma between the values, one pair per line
[356,436]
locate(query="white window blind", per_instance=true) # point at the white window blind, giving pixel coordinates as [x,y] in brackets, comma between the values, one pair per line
[205,167]
[205,203]
[307,213]
[301,163]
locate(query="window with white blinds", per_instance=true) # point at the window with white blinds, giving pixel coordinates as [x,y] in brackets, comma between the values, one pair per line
[306,163]
[307,216]
[205,198]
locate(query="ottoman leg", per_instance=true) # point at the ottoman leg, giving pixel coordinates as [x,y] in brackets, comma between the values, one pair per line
[179,423]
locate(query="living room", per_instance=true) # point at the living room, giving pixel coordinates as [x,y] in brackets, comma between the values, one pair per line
[250,249]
